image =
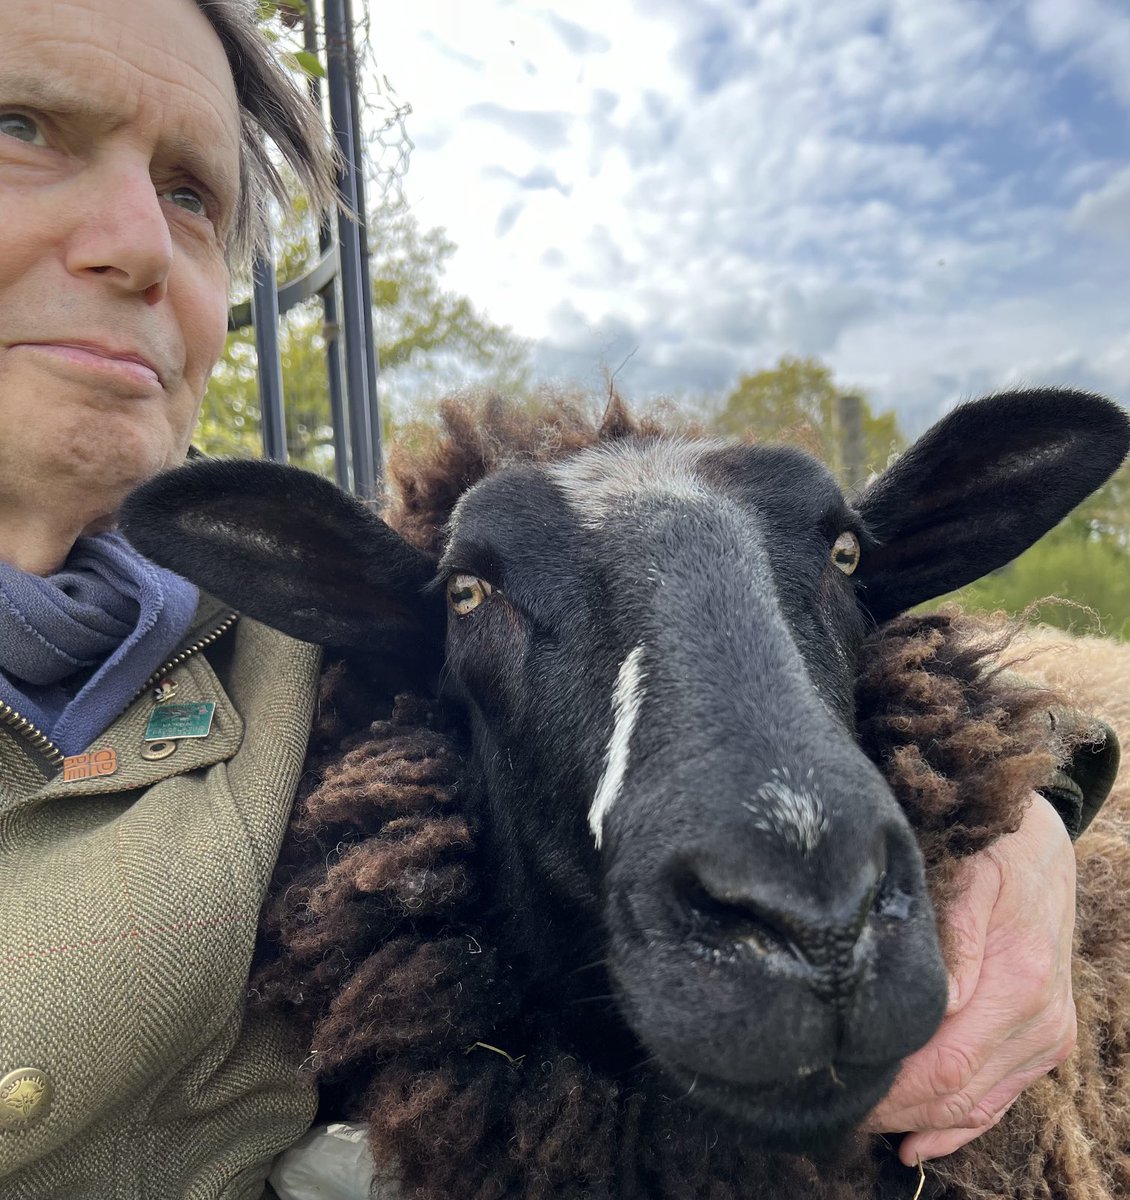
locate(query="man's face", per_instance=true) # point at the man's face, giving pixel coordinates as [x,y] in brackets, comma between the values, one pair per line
[119,177]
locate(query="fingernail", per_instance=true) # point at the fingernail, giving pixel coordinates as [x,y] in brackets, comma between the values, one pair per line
[923,1152]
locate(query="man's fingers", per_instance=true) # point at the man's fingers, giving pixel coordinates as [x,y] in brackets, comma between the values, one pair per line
[977,1064]
[939,1074]
[918,1147]
[979,1104]
[967,925]
[937,1093]
[972,1098]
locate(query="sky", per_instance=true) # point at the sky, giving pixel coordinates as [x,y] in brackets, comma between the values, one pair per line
[931,196]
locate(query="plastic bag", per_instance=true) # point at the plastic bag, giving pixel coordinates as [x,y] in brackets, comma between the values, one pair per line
[332,1162]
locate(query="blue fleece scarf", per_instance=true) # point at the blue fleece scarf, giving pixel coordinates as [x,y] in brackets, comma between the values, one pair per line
[75,647]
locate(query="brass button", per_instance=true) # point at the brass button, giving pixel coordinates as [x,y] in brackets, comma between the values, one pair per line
[155,751]
[25,1098]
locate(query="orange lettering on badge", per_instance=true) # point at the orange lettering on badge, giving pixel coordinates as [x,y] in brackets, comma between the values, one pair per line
[89,765]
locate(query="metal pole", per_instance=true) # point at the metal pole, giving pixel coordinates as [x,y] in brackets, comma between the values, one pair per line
[339,28]
[265,315]
[371,364]
[331,327]
[332,334]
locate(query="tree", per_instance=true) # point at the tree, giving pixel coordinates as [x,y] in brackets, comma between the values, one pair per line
[797,400]
[423,330]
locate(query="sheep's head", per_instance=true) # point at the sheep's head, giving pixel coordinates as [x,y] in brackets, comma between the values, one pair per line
[652,644]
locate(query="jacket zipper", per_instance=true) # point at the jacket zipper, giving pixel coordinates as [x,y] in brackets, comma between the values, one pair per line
[43,745]
[35,737]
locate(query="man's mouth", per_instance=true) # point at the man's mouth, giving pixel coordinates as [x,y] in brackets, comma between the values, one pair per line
[122,363]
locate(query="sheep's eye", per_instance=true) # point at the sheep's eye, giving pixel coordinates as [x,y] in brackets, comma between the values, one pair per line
[845,552]
[466,592]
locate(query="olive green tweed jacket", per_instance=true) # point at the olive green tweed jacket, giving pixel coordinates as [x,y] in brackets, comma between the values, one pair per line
[131,881]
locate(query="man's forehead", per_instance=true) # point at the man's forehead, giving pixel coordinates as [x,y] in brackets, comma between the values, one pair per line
[112,62]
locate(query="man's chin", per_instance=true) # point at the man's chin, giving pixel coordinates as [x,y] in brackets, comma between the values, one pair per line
[814,1115]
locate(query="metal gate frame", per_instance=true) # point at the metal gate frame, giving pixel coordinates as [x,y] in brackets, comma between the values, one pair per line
[341,276]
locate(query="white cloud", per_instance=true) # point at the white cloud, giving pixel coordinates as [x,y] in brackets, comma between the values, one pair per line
[1106,210]
[1095,33]
[890,184]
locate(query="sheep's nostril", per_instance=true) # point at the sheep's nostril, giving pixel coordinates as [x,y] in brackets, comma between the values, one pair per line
[723,921]
[776,920]
[871,903]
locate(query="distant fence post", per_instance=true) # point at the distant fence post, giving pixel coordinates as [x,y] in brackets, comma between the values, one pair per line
[853,453]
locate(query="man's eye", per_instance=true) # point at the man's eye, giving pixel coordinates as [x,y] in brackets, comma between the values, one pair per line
[189,199]
[22,127]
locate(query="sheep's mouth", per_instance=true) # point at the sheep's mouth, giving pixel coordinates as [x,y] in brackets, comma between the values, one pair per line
[811,1114]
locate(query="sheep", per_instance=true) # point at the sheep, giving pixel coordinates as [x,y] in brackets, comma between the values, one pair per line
[613,899]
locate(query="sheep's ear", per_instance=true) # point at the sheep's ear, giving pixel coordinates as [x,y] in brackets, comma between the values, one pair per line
[291,550]
[980,487]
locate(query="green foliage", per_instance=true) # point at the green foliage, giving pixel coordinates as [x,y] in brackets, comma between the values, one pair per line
[422,330]
[289,12]
[310,64]
[1084,560]
[279,19]
[797,400]
[229,420]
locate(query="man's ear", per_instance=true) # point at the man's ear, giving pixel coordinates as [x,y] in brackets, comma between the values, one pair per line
[291,550]
[980,487]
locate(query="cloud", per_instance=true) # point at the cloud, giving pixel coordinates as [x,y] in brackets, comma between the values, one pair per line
[536,179]
[1106,210]
[813,320]
[507,219]
[450,52]
[1094,33]
[577,38]
[545,130]
[923,194]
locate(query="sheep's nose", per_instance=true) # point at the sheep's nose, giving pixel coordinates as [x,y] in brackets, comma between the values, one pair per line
[782,922]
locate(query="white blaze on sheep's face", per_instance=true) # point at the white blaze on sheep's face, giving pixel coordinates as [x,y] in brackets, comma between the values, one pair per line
[790,810]
[626,702]
[600,481]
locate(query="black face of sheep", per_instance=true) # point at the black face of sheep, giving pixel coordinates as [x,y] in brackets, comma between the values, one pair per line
[652,644]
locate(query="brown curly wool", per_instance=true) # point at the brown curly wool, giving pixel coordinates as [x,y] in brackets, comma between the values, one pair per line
[421,1025]
[953,735]
[479,435]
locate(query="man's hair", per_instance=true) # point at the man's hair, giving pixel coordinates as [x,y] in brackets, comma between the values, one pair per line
[273,110]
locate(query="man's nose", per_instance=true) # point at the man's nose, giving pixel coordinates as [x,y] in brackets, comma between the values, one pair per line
[121,231]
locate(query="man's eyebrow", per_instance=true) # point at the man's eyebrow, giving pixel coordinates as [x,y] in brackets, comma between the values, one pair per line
[57,97]
[53,95]
[210,169]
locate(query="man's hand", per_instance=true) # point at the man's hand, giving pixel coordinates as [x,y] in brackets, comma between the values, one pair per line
[1011,1017]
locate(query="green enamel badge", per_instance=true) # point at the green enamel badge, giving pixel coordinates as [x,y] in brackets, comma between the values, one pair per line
[192,720]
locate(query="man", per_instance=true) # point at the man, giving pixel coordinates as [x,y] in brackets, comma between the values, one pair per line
[150,742]
[131,172]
